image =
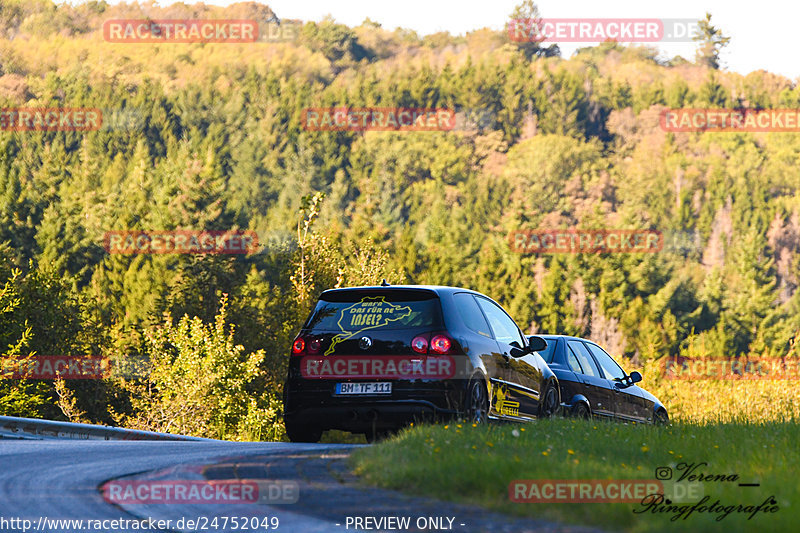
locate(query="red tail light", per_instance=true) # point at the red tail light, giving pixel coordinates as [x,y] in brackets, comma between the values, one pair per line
[434,343]
[299,346]
[441,344]
[314,345]
[420,344]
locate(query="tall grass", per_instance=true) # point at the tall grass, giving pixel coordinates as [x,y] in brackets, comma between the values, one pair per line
[708,401]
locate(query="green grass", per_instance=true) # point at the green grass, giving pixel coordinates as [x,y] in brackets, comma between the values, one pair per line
[475,465]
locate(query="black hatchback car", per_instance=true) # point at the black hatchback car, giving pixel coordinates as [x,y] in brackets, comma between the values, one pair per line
[373,359]
[593,384]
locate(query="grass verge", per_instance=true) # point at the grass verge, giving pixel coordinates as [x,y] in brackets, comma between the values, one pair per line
[476,465]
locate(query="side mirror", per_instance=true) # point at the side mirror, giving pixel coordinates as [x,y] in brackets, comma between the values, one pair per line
[537,344]
[517,350]
[634,377]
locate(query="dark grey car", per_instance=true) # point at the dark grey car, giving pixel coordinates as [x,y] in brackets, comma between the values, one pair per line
[593,384]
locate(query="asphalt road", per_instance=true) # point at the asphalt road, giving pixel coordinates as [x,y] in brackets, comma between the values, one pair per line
[42,481]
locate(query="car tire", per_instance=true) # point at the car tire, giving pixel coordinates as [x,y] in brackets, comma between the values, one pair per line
[581,411]
[548,407]
[477,403]
[298,433]
[661,418]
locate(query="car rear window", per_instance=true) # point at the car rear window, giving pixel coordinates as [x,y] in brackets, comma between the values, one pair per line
[376,311]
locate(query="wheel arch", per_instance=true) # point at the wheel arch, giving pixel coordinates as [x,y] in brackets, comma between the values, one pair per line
[578,399]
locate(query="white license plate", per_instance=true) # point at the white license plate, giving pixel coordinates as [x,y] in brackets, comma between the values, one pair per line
[383,387]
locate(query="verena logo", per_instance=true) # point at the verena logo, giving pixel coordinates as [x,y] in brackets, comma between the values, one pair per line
[575,241]
[50,119]
[373,367]
[377,119]
[180,31]
[55,366]
[229,491]
[730,369]
[180,242]
[594,30]
[728,120]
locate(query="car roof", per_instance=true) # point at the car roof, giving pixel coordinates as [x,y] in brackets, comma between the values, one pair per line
[438,289]
[567,337]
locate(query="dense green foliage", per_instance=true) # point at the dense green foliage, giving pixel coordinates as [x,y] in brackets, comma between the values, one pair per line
[209,136]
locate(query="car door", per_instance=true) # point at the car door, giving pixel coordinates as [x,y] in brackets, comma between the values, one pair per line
[597,388]
[481,343]
[629,404]
[518,395]
[569,378]
[527,373]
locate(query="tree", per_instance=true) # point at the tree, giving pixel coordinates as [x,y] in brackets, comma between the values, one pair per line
[42,314]
[711,42]
[17,397]
[540,168]
[565,106]
[338,43]
[525,30]
[201,383]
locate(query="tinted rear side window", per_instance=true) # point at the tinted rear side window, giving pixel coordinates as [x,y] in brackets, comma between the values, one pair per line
[573,363]
[361,311]
[471,314]
[549,352]
[582,354]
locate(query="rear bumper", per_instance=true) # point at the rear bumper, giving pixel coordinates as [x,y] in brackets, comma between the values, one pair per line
[315,405]
[370,415]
